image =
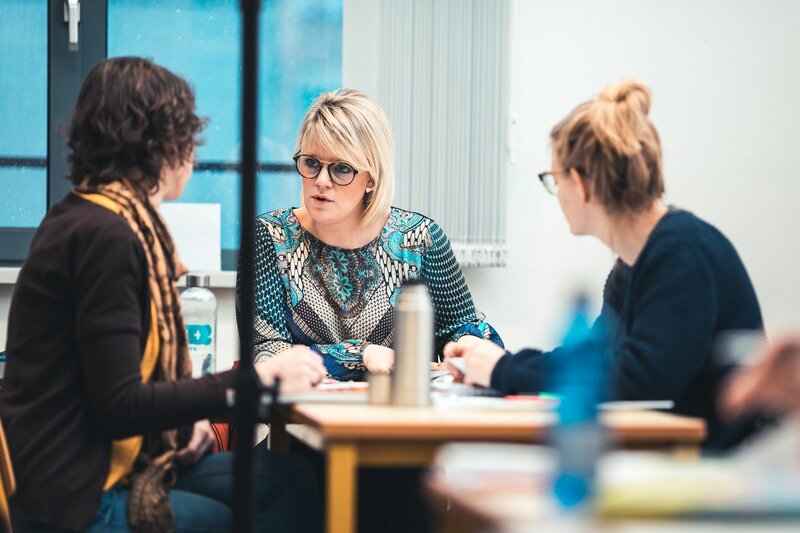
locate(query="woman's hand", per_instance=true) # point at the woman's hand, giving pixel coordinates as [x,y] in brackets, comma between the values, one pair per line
[378,359]
[479,355]
[772,385]
[200,444]
[439,367]
[298,368]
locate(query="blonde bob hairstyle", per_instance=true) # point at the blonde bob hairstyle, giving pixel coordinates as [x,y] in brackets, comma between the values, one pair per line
[353,126]
[612,144]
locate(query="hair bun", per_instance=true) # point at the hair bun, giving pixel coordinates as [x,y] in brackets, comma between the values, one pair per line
[612,141]
[634,93]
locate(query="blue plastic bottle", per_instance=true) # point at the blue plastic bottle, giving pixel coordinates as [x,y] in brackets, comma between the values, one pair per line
[577,375]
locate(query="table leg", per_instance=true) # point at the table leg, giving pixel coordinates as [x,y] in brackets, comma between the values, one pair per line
[342,488]
[686,451]
[278,436]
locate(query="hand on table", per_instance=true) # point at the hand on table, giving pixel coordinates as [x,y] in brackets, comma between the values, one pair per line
[772,385]
[439,367]
[378,359]
[479,355]
[299,369]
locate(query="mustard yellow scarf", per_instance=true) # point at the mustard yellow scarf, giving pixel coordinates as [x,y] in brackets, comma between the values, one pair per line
[147,462]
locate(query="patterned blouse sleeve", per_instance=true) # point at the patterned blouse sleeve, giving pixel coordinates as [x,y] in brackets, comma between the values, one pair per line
[452,302]
[271,333]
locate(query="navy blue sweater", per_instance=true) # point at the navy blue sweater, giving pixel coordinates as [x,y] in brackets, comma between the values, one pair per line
[663,315]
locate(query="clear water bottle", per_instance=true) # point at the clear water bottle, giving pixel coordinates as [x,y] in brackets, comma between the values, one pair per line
[577,373]
[413,345]
[199,307]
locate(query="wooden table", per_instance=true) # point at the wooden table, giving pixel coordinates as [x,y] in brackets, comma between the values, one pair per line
[352,436]
[517,510]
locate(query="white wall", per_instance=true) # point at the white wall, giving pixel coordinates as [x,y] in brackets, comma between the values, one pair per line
[726,89]
[727,86]
[5,300]
[227,334]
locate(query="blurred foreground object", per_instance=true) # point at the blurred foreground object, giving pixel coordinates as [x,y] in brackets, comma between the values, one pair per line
[506,488]
[771,385]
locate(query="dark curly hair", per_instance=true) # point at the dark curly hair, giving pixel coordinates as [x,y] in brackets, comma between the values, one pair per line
[132,117]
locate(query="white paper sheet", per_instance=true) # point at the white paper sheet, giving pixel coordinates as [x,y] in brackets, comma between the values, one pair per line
[195,229]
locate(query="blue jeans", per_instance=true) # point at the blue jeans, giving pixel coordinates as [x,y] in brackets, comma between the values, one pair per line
[285,498]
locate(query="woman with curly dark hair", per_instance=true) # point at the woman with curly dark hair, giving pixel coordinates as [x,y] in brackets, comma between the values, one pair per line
[105,427]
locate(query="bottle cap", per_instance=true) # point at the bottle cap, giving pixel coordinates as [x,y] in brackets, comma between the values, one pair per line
[197,280]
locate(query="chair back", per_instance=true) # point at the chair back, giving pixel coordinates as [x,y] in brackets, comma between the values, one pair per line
[8,484]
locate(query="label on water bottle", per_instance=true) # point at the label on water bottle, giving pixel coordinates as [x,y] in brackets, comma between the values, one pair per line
[200,337]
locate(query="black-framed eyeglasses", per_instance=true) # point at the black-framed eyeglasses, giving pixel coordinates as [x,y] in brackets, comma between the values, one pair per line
[548,179]
[309,167]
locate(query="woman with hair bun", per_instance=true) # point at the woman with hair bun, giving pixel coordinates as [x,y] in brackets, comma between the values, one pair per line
[677,283]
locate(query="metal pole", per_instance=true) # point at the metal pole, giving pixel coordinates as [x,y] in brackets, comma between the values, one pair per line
[247,383]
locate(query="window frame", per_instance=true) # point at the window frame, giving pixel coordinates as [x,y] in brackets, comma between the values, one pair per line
[66,71]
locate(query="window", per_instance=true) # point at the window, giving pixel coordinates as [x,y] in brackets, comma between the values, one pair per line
[300,54]
[23,113]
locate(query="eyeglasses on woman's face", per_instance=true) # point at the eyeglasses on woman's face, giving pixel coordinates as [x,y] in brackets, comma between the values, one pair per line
[548,179]
[309,167]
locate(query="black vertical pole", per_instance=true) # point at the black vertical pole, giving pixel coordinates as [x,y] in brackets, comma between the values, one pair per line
[246,379]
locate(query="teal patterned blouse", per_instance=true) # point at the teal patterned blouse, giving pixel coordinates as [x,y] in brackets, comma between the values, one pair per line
[338,301]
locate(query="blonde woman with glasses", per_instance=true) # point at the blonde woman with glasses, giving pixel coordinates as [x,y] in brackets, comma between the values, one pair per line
[677,284]
[328,273]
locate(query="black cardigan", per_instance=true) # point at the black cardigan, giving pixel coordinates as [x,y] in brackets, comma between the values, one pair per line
[687,285]
[77,327]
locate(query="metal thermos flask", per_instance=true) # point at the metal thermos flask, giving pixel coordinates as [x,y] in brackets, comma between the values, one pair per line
[413,345]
